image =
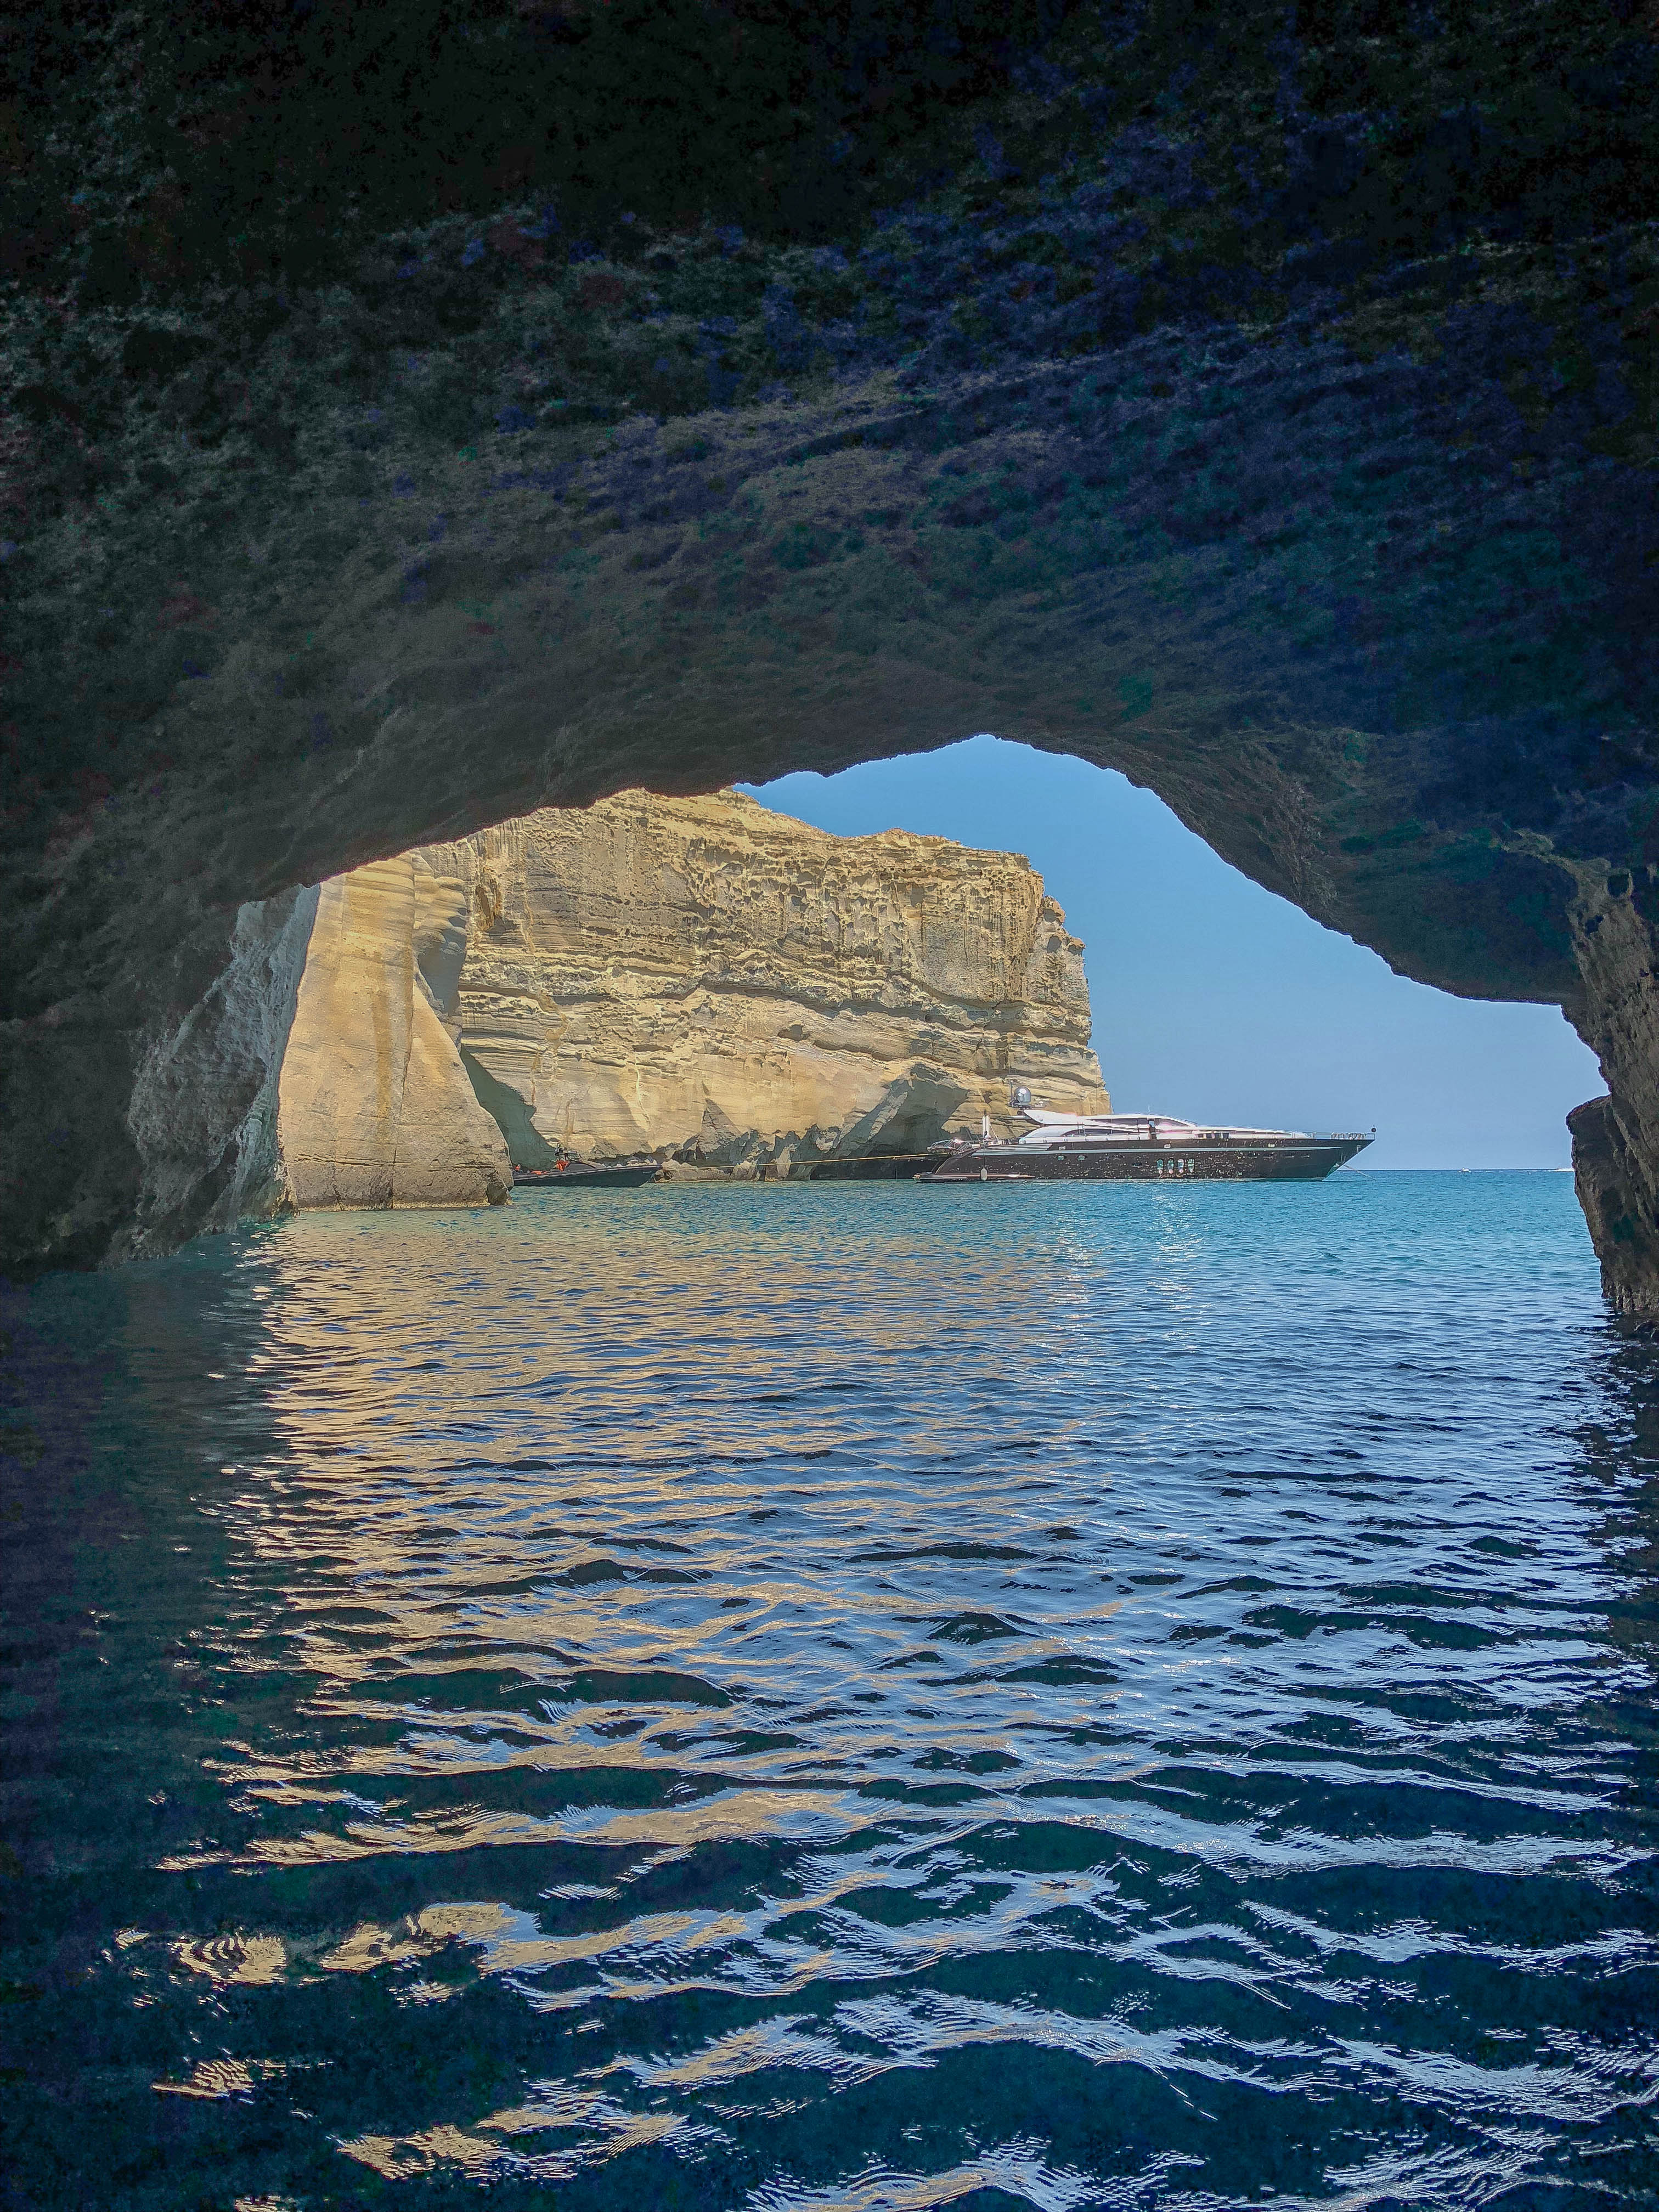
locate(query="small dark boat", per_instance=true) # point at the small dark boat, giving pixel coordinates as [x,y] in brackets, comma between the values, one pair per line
[568,1174]
[1139,1148]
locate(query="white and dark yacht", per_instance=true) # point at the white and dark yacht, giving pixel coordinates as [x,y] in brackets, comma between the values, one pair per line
[1137,1148]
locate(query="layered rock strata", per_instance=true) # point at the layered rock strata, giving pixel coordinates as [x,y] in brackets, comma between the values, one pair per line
[695,977]
[375,1108]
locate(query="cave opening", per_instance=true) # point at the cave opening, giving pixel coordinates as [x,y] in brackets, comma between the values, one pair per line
[1215,998]
[722,601]
[768,981]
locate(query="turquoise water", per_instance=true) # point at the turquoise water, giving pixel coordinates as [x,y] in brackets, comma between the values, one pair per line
[801,1698]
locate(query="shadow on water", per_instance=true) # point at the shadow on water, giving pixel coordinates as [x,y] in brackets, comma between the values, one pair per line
[838,1697]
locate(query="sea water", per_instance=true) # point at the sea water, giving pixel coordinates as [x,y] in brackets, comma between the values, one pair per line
[791,1696]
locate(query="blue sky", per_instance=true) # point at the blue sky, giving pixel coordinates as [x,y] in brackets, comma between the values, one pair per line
[1215,999]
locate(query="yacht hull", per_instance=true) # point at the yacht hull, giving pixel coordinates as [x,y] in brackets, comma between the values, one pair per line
[1287,1159]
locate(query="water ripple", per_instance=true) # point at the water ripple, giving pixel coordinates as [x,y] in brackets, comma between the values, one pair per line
[867,1698]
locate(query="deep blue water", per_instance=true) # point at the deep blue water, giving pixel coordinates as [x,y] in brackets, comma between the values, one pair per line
[839,1697]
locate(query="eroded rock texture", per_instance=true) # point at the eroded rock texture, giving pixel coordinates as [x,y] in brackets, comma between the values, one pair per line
[1615,1141]
[705,977]
[375,1108]
[1025,553]
[1283,436]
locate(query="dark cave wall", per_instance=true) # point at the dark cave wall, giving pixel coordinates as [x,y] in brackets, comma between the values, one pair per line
[637,618]
[1265,406]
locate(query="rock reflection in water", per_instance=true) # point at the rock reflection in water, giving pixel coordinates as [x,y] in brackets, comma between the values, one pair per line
[849,1697]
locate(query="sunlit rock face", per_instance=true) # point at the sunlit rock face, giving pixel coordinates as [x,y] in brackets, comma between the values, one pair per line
[699,977]
[706,977]
[375,1108]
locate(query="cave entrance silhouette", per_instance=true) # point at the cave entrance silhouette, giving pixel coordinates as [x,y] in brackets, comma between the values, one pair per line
[721,601]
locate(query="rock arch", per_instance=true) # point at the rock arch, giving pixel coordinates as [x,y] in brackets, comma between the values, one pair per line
[1346,542]
[888,577]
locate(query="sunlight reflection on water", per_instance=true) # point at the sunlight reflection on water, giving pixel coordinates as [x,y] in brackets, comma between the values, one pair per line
[857,1697]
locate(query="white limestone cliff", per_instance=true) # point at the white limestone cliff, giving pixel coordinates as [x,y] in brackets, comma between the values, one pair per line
[694,978]
[375,1107]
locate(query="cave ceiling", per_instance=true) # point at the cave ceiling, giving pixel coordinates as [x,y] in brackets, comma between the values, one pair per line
[1266,412]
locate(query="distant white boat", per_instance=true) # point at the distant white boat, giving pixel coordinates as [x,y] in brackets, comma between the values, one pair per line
[1139,1148]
